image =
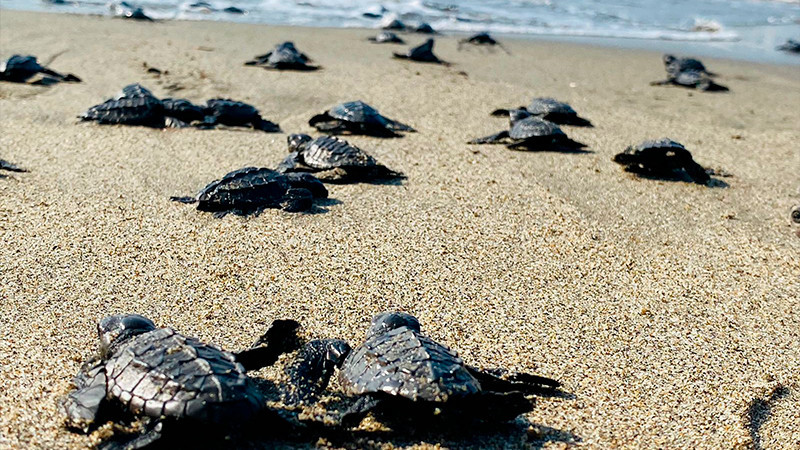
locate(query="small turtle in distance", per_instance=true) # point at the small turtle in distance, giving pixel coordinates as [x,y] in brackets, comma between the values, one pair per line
[20,69]
[551,110]
[790,46]
[664,159]
[425,28]
[285,56]
[529,132]
[395,25]
[386,37]
[176,386]
[250,190]
[421,53]
[357,118]
[482,39]
[332,159]
[673,65]
[691,79]
[401,376]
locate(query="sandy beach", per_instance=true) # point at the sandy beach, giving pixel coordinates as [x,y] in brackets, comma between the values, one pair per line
[670,311]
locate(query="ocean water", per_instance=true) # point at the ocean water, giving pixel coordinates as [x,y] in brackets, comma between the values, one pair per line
[751,27]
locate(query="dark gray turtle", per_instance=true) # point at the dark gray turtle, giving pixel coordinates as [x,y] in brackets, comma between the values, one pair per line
[223,111]
[662,158]
[5,165]
[252,189]
[551,110]
[19,69]
[135,105]
[385,37]
[400,374]
[421,53]
[531,133]
[284,57]
[791,46]
[482,39]
[177,386]
[357,118]
[332,159]
[395,25]
[130,11]
[690,78]
[673,65]
[424,28]
[183,110]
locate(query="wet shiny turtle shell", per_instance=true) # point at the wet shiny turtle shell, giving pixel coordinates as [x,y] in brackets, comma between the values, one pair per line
[286,54]
[403,362]
[163,373]
[358,112]
[246,188]
[541,106]
[533,127]
[673,65]
[328,152]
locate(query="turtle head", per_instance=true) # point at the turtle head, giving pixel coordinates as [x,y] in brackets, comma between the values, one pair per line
[515,115]
[388,321]
[668,59]
[336,350]
[297,142]
[116,329]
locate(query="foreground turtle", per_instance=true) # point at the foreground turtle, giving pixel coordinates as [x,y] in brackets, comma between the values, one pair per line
[551,110]
[5,165]
[175,385]
[482,39]
[421,53]
[285,56]
[357,118]
[19,69]
[251,189]
[385,37]
[531,133]
[223,111]
[332,159]
[674,65]
[400,375]
[662,158]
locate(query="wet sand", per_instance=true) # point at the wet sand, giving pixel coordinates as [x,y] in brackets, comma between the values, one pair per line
[669,310]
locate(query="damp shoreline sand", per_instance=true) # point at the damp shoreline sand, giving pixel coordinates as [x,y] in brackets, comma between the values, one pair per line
[668,310]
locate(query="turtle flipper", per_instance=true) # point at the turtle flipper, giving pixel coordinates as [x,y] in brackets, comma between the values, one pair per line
[187,200]
[397,126]
[145,438]
[266,126]
[311,370]
[500,113]
[697,172]
[491,139]
[359,410]
[500,380]
[320,118]
[281,337]
[82,406]
[400,56]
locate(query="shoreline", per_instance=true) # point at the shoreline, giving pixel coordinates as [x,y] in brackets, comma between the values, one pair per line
[668,310]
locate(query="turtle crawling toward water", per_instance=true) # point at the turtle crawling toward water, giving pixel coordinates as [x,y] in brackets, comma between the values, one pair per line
[402,375]
[790,46]
[482,39]
[421,53]
[176,386]
[674,65]
[20,69]
[529,132]
[224,111]
[386,37]
[285,56]
[551,110]
[662,158]
[332,159]
[357,118]
[134,105]
[251,190]
[689,73]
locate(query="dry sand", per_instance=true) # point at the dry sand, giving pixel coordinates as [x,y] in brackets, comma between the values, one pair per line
[670,311]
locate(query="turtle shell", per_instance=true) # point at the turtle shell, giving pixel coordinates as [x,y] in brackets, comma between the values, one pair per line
[357,112]
[286,53]
[182,109]
[163,373]
[232,112]
[542,105]
[655,145]
[328,152]
[675,65]
[141,110]
[533,127]
[403,362]
[246,188]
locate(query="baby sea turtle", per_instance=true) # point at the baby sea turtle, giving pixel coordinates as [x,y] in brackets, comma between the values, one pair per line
[135,105]
[251,189]
[551,110]
[395,25]
[483,39]
[425,28]
[674,65]
[357,118]
[19,69]
[689,73]
[400,374]
[130,11]
[183,110]
[421,53]
[791,46]
[385,37]
[223,111]
[285,56]
[531,133]
[170,382]
[662,158]
[332,159]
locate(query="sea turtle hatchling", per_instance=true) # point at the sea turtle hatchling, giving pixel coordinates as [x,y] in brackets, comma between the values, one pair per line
[551,110]
[674,64]
[284,56]
[528,132]
[176,386]
[20,69]
[386,37]
[421,53]
[332,159]
[400,374]
[689,73]
[223,111]
[251,189]
[482,39]
[790,46]
[134,105]
[662,158]
[357,118]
